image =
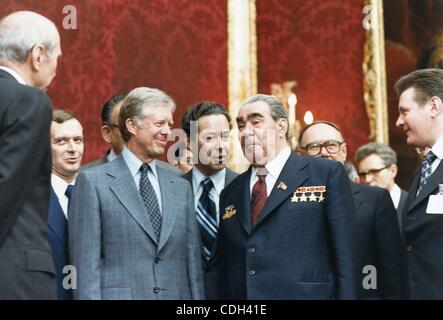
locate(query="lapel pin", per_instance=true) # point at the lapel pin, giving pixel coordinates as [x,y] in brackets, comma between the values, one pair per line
[282,186]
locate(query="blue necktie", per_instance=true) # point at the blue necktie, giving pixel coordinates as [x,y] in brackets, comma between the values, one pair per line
[207,218]
[426,169]
[149,198]
[68,193]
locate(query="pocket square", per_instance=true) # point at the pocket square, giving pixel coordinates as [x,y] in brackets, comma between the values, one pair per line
[309,194]
[229,212]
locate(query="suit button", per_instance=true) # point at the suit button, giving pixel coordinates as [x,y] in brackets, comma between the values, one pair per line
[252,273]
[409,248]
[157,259]
[251,250]
[156,290]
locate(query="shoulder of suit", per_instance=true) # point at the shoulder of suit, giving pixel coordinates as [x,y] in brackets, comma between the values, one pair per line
[369,191]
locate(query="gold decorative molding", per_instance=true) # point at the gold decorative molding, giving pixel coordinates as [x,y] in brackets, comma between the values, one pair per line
[242,67]
[374,72]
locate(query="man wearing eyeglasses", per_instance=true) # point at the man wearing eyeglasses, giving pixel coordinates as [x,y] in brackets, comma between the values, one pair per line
[379,236]
[377,167]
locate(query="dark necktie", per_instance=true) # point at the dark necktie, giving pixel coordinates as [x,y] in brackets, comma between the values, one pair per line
[68,193]
[259,194]
[149,198]
[426,169]
[207,218]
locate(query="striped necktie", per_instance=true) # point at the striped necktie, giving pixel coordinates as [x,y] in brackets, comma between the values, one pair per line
[207,218]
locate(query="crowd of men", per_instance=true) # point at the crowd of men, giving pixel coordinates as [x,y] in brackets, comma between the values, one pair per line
[295,225]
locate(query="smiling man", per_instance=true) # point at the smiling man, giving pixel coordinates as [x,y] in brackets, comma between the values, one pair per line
[287,228]
[67,153]
[132,227]
[421,117]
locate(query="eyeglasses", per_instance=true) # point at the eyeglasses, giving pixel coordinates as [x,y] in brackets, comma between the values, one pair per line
[332,146]
[371,172]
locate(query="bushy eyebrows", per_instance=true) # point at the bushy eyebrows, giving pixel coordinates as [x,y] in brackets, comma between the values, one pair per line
[250,116]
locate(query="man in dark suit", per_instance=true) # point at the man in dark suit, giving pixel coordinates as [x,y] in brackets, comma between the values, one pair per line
[377,167]
[132,227]
[421,117]
[287,228]
[29,49]
[67,153]
[380,244]
[207,126]
[110,131]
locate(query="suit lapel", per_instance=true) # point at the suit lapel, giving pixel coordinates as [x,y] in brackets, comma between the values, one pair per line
[168,189]
[429,187]
[126,191]
[358,200]
[293,175]
[57,220]
[241,199]
[230,175]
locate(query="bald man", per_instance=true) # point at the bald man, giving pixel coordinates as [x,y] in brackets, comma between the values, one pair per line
[29,49]
[379,235]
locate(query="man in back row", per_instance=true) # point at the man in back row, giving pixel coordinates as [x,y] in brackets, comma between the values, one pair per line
[378,232]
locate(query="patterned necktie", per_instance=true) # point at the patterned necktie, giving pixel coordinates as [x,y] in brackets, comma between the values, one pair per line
[426,169]
[259,194]
[207,218]
[149,198]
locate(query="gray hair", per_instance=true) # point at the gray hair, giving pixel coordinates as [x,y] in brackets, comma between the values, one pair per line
[386,153]
[350,170]
[278,110]
[137,104]
[20,31]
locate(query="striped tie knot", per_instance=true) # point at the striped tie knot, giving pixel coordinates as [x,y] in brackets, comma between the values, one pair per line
[429,158]
[207,184]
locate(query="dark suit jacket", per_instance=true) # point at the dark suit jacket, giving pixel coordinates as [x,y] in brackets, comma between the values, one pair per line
[380,243]
[210,272]
[58,239]
[400,209]
[297,250]
[423,236]
[26,265]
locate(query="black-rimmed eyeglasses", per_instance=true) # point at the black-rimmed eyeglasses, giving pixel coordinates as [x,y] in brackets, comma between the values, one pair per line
[371,172]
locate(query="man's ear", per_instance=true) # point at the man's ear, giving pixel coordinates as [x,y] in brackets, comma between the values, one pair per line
[131,126]
[283,127]
[436,106]
[106,133]
[35,56]
[344,149]
[394,170]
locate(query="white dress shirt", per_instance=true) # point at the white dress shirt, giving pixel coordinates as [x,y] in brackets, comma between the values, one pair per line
[395,195]
[15,74]
[437,149]
[218,179]
[134,164]
[59,185]
[111,155]
[274,169]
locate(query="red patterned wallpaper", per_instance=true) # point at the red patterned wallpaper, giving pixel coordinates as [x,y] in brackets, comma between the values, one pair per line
[318,43]
[179,46]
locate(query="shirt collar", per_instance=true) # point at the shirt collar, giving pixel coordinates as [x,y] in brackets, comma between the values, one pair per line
[218,179]
[59,185]
[437,148]
[395,195]
[111,155]
[275,166]
[15,74]
[134,163]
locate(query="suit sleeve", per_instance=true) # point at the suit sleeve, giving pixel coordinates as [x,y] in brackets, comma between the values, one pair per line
[342,230]
[195,271]
[389,249]
[24,144]
[85,238]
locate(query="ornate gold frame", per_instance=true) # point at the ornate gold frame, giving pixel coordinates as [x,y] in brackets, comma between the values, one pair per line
[374,74]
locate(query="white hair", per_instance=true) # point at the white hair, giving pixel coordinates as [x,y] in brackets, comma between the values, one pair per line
[20,31]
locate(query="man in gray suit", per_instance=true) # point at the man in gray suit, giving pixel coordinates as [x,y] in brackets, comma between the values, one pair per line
[132,227]
[207,126]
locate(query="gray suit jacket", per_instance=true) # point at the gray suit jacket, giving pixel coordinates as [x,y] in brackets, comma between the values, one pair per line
[210,271]
[113,245]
